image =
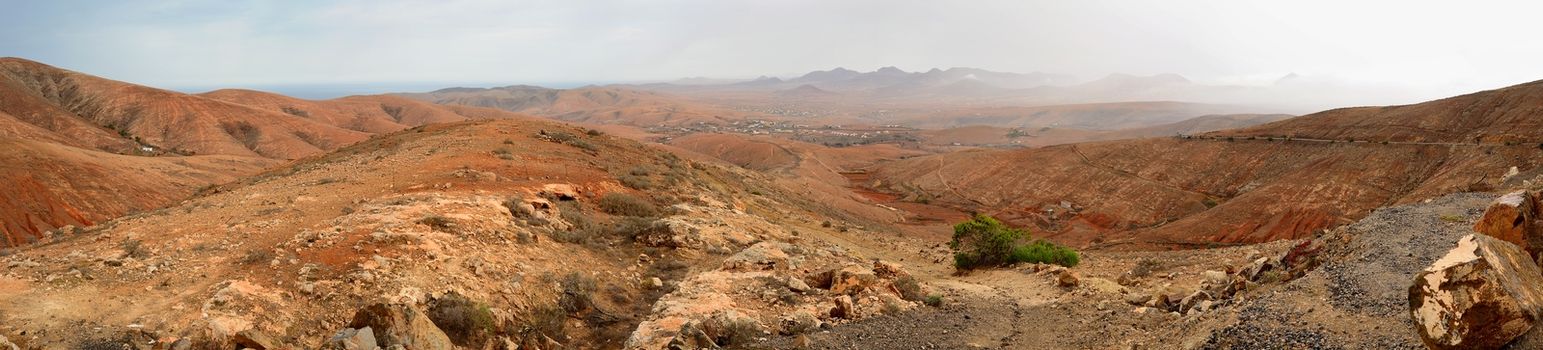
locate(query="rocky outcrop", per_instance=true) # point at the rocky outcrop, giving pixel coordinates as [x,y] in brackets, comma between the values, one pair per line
[1483,294]
[1513,218]
[401,325]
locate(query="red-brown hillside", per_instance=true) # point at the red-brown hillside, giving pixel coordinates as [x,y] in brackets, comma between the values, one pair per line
[1513,114]
[1173,191]
[82,149]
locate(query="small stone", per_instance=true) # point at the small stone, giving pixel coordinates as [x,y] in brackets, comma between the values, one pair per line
[1067,279]
[797,284]
[1215,277]
[844,308]
[1137,298]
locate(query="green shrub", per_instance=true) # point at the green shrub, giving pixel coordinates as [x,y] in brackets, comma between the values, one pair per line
[1045,252]
[464,320]
[934,300]
[627,205]
[984,242]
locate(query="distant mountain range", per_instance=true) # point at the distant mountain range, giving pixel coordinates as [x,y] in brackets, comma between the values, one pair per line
[1289,93]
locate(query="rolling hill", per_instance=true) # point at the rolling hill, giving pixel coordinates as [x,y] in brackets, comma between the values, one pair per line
[83,149]
[1192,192]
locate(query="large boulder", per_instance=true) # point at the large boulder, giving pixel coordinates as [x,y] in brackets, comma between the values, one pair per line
[851,279]
[1513,218]
[401,325]
[1482,295]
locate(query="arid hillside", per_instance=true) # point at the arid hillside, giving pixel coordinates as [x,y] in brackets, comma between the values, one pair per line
[86,149]
[1508,115]
[52,185]
[478,222]
[158,118]
[1215,190]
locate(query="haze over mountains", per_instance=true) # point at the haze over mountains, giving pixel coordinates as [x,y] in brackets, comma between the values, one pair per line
[1289,93]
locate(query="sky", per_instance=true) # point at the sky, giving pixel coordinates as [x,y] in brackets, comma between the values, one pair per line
[1432,48]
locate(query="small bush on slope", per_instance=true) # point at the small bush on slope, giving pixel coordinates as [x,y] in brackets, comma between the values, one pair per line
[627,205]
[466,321]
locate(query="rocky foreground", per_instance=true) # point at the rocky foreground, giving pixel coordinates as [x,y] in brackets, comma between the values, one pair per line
[1344,289]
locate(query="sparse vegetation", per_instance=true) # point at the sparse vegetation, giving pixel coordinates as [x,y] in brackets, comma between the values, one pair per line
[291,110]
[504,153]
[934,300]
[1209,202]
[984,242]
[467,322]
[134,248]
[519,210]
[1452,218]
[255,256]
[640,182]
[242,131]
[578,293]
[627,205]
[567,139]
[548,320]
[1144,267]
[436,222]
[909,288]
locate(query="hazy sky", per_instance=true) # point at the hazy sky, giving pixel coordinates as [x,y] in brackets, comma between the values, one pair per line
[1433,46]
